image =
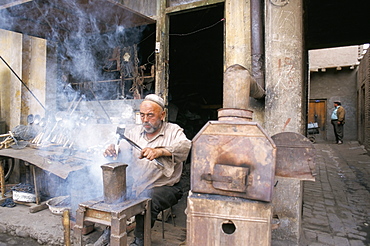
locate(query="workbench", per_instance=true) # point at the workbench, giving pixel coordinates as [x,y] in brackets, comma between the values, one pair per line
[53,160]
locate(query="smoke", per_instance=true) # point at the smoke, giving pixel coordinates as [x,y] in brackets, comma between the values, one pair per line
[87,74]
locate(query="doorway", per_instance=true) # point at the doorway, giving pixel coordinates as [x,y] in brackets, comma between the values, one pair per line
[317,114]
[196,67]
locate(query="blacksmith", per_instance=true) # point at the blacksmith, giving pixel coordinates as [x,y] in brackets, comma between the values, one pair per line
[159,140]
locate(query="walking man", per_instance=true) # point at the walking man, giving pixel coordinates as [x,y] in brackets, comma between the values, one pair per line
[338,120]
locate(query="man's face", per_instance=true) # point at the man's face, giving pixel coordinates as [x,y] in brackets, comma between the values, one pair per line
[151,115]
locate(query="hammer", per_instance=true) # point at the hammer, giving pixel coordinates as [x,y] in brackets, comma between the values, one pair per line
[121,133]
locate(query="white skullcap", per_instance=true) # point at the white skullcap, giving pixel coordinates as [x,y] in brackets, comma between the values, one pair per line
[154,98]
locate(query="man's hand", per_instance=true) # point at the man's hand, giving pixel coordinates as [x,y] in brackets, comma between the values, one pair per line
[110,151]
[154,153]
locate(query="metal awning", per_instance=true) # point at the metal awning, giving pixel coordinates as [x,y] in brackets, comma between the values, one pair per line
[61,19]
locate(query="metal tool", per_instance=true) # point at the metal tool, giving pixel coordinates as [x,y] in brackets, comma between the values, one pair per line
[12,136]
[121,133]
[17,145]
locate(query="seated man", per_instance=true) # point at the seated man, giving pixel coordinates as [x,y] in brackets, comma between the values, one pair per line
[160,140]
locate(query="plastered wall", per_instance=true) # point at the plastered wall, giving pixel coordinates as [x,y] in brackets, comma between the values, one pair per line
[337,85]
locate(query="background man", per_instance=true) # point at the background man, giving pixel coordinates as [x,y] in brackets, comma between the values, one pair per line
[338,120]
[159,140]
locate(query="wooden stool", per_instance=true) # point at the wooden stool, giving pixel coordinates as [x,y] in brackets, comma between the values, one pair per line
[164,217]
[115,216]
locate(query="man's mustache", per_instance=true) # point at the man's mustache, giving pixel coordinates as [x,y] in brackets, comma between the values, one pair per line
[147,124]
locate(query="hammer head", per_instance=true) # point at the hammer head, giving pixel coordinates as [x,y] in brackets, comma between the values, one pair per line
[120,131]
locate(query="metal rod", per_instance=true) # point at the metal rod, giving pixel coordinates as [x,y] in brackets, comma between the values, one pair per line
[101,106]
[257,44]
[139,148]
[22,82]
[74,108]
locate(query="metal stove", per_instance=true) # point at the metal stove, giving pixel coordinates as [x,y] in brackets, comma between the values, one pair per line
[232,173]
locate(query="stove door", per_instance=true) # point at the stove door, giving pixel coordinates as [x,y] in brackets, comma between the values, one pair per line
[228,177]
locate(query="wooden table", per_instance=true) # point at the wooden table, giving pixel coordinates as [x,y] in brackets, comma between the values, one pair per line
[52,160]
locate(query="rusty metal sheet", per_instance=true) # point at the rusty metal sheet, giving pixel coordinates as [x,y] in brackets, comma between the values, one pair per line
[223,145]
[221,220]
[295,156]
[40,158]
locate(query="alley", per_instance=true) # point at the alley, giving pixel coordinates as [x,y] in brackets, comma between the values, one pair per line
[336,207]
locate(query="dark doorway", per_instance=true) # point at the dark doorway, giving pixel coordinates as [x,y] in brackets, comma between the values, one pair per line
[196,67]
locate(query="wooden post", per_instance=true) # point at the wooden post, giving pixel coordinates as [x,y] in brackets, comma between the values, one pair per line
[67,228]
[2,180]
[35,183]
[147,223]
[11,50]
[162,51]
[33,74]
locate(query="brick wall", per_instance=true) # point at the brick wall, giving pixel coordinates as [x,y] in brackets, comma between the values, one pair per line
[363,92]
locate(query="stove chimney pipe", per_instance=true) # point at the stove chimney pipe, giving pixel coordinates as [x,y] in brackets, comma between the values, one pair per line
[239,85]
[236,87]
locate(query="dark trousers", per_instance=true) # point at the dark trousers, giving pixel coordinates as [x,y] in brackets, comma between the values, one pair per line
[338,130]
[162,198]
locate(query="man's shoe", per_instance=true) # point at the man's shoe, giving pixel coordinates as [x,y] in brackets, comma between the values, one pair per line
[340,142]
[137,242]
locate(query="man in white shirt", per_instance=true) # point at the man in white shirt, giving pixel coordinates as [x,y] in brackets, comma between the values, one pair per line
[337,120]
[160,140]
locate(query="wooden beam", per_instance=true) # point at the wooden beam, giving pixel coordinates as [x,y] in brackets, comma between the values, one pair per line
[162,51]
[190,6]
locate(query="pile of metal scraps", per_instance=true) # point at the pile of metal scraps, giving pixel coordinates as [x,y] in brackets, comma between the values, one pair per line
[7,142]
[11,141]
[8,202]
[24,188]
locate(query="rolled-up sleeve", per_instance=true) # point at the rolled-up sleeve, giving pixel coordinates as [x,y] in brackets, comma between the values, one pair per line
[179,147]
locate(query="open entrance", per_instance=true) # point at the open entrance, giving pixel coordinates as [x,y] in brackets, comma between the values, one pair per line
[196,67]
[317,119]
